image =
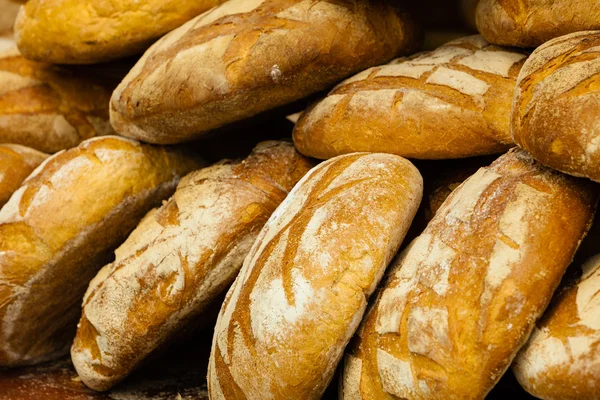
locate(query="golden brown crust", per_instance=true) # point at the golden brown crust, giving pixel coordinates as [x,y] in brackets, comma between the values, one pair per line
[464,296]
[93,31]
[16,163]
[254,55]
[557,102]
[561,359]
[529,23]
[47,107]
[178,260]
[305,284]
[61,226]
[450,103]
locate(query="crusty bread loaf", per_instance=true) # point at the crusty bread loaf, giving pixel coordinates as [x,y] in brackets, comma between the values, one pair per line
[93,31]
[305,284]
[557,105]
[450,103]
[561,360]
[60,227]
[47,107]
[178,260]
[464,296]
[529,23]
[247,56]
[16,163]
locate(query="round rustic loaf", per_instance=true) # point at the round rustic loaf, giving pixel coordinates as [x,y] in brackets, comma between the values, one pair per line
[304,286]
[464,296]
[557,105]
[449,103]
[46,107]
[62,225]
[529,23]
[93,31]
[248,56]
[561,360]
[16,163]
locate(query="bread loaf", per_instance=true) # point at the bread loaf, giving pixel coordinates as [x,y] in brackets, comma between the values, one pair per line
[529,23]
[179,258]
[254,55]
[47,107]
[450,103]
[557,105]
[305,283]
[464,296]
[16,163]
[93,31]
[60,227]
[561,360]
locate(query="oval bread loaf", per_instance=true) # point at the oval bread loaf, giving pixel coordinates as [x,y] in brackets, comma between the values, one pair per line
[48,107]
[93,31]
[248,56]
[561,360]
[178,260]
[557,105]
[60,227]
[464,296]
[305,284]
[529,23]
[16,163]
[449,103]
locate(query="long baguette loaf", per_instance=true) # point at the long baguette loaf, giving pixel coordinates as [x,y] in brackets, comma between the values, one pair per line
[61,226]
[561,360]
[557,105]
[465,295]
[305,284]
[248,56]
[529,23]
[47,107]
[93,31]
[449,103]
[16,163]
[178,260]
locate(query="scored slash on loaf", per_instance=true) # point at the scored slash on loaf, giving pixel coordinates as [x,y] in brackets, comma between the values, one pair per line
[16,163]
[463,297]
[449,103]
[178,260]
[305,284]
[60,227]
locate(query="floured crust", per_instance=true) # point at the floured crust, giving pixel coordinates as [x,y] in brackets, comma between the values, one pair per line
[180,257]
[93,31]
[557,103]
[464,296]
[561,358]
[452,102]
[529,23]
[305,284]
[16,163]
[248,56]
[48,107]
[61,226]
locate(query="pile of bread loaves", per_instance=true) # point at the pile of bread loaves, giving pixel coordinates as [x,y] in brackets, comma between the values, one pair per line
[124,239]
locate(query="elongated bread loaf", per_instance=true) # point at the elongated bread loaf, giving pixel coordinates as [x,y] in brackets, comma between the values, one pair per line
[248,56]
[16,163]
[529,23]
[48,107]
[305,284]
[561,360]
[449,103]
[61,226]
[178,260]
[557,105]
[465,295]
[93,31]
